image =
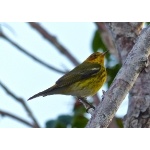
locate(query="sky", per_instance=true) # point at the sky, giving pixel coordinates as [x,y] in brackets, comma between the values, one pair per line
[25,77]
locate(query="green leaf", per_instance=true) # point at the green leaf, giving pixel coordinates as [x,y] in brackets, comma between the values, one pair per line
[111,73]
[147,23]
[51,124]
[97,42]
[79,121]
[119,122]
[65,119]
[79,110]
[61,122]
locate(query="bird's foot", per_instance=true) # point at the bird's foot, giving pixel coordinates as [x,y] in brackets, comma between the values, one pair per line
[86,104]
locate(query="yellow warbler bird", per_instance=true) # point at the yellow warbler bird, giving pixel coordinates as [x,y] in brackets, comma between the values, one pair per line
[83,81]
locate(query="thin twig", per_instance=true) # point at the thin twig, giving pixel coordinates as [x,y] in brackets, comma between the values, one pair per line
[52,39]
[89,107]
[4,113]
[30,55]
[22,102]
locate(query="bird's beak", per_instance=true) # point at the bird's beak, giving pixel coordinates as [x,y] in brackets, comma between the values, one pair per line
[105,52]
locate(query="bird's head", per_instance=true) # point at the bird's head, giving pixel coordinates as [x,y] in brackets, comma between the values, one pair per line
[97,57]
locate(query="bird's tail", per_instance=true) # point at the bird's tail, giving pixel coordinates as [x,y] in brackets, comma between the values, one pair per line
[43,93]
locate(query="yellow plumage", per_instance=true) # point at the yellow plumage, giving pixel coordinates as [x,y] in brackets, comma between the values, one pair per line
[83,81]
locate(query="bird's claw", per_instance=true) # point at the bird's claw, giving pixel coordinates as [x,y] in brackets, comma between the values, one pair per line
[86,104]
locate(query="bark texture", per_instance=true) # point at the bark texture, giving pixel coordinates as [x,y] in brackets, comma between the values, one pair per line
[126,77]
[138,115]
[124,35]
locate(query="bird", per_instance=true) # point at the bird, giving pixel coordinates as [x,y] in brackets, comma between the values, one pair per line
[82,81]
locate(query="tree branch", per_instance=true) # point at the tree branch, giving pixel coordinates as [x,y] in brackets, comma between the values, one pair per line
[4,113]
[107,38]
[138,114]
[123,82]
[30,55]
[125,35]
[52,39]
[20,100]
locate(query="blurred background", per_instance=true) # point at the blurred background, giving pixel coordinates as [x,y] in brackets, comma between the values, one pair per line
[33,56]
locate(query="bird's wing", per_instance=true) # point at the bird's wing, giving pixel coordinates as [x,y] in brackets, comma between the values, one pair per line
[83,71]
